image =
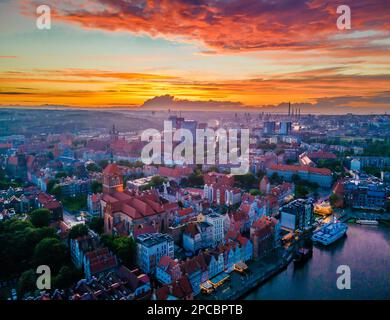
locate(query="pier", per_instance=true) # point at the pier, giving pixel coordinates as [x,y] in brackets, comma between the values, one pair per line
[358,215]
[260,271]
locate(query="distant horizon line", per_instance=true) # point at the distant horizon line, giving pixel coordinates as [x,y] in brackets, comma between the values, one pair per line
[176,109]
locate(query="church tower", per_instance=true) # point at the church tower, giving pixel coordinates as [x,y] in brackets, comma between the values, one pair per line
[112,179]
[114,134]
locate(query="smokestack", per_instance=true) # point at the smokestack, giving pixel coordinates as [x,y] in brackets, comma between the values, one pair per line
[289,109]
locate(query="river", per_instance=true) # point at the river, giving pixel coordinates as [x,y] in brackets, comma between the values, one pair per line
[365,249]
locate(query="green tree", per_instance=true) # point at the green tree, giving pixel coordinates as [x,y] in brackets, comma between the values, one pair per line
[375,171]
[66,277]
[295,178]
[93,167]
[96,224]
[103,163]
[56,191]
[96,187]
[255,192]
[51,252]
[40,218]
[275,179]
[61,174]
[50,186]
[38,234]
[75,204]
[27,282]
[195,179]
[124,247]
[213,169]
[78,230]
[157,181]
[17,243]
[246,181]
[301,191]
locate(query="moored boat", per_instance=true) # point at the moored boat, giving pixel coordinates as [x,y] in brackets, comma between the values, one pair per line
[302,255]
[330,232]
[368,222]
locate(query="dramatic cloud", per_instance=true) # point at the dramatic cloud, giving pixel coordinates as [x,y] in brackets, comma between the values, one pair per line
[168,101]
[335,105]
[237,25]
[256,52]
[320,87]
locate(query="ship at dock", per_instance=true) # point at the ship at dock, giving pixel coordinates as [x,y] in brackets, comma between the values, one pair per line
[367,222]
[302,255]
[303,252]
[330,232]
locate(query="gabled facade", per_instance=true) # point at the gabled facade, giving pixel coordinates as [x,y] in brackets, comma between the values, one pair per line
[168,270]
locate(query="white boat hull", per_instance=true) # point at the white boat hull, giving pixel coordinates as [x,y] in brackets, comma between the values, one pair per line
[326,238]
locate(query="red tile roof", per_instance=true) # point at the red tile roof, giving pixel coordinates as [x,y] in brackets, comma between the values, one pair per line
[231,234]
[162,292]
[101,260]
[240,216]
[133,278]
[146,228]
[282,188]
[242,240]
[264,225]
[52,205]
[112,169]
[185,211]
[174,172]
[190,266]
[5,146]
[135,205]
[283,167]
[245,207]
[48,201]
[13,161]
[168,263]
[182,288]
[191,229]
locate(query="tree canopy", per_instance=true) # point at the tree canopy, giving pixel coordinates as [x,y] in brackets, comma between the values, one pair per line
[96,224]
[96,187]
[27,282]
[40,218]
[124,247]
[78,230]
[17,243]
[50,252]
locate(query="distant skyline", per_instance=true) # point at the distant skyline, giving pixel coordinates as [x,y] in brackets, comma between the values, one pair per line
[197,54]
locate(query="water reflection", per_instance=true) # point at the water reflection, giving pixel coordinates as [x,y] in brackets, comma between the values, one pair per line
[366,250]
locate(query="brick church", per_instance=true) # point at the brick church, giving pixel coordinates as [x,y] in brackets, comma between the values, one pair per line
[129,212]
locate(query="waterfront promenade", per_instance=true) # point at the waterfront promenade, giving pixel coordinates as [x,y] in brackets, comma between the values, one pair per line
[258,272]
[349,214]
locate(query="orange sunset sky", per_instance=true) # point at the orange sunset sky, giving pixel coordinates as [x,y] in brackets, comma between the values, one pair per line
[251,52]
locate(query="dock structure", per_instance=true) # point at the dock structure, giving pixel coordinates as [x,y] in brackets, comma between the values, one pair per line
[364,216]
[240,286]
